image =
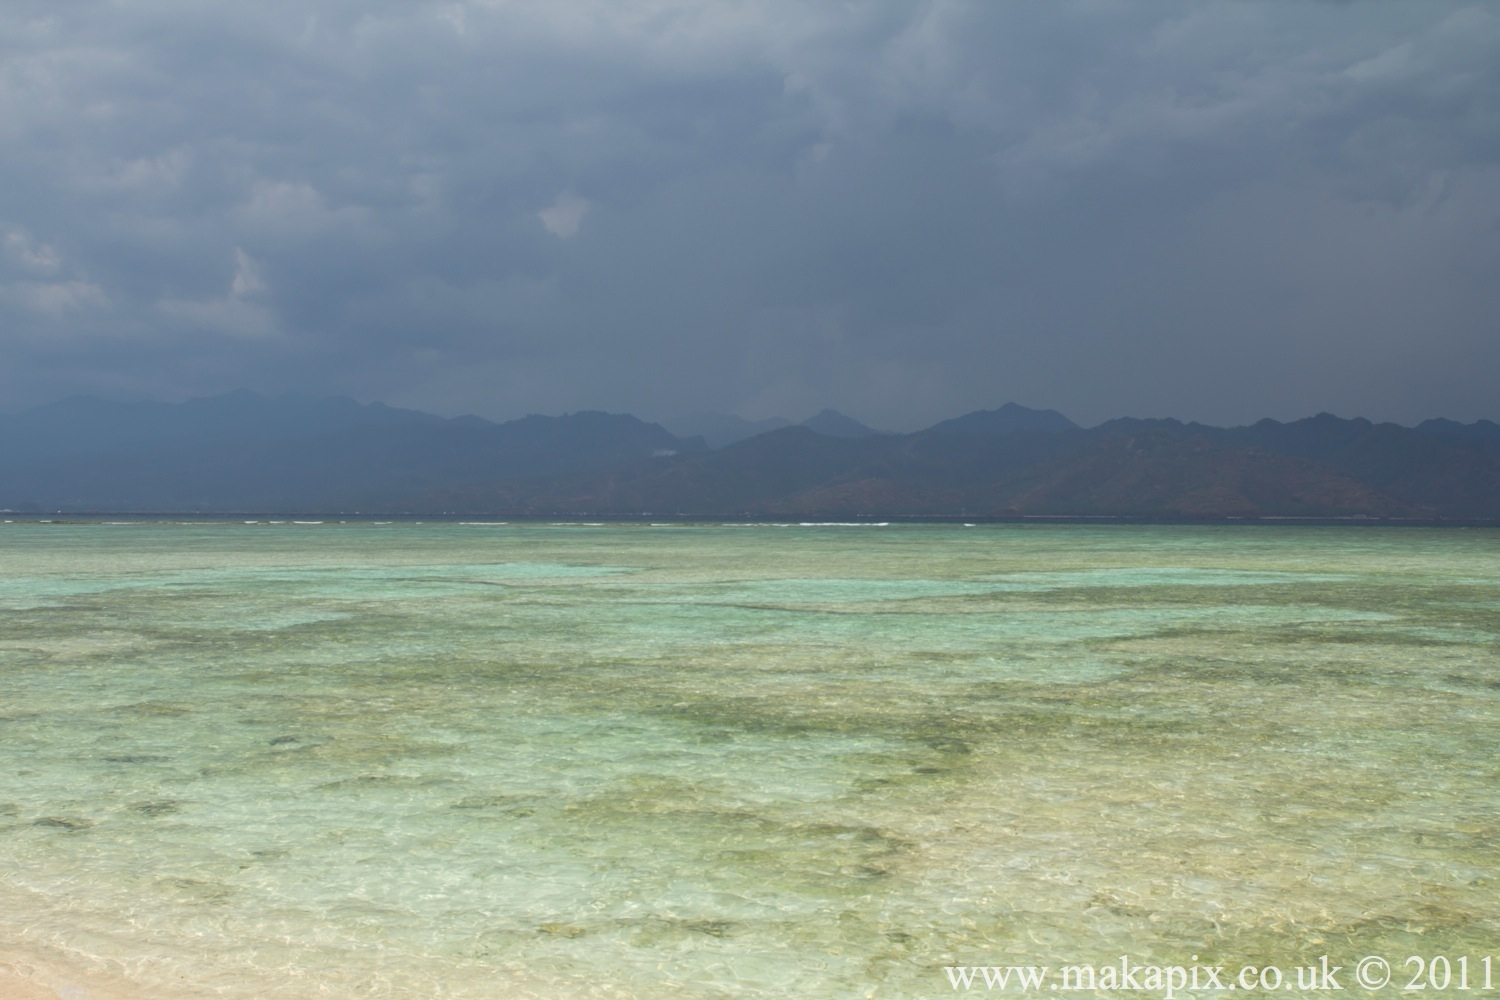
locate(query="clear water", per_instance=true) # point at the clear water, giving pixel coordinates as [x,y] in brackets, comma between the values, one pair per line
[448,760]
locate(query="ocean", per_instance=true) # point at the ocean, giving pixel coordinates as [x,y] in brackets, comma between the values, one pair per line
[462,760]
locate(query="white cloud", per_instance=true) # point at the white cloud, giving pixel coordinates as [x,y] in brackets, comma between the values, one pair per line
[33,257]
[293,208]
[45,293]
[54,299]
[232,318]
[140,176]
[238,315]
[565,216]
[247,279]
[958,166]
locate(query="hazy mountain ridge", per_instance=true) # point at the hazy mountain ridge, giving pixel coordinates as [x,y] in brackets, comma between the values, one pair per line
[836,424]
[1319,467]
[719,429]
[242,452]
[330,455]
[1005,420]
[86,425]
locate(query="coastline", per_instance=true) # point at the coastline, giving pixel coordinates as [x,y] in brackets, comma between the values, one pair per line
[44,974]
[817,519]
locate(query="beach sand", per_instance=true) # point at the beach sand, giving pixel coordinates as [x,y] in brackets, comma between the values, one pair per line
[49,974]
[16,986]
[31,977]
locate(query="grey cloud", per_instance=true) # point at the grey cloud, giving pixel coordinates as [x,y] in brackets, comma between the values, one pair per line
[1211,210]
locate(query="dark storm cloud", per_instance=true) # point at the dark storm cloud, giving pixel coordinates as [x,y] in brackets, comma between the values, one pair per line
[1218,211]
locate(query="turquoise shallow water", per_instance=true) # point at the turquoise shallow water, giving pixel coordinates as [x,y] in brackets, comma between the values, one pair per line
[449,760]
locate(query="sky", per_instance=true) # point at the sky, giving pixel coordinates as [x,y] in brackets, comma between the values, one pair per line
[905,210]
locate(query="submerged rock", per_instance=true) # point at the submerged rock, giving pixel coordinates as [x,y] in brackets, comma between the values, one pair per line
[561,930]
[64,822]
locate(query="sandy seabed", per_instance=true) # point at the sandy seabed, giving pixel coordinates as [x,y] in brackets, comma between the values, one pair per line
[34,976]
[474,763]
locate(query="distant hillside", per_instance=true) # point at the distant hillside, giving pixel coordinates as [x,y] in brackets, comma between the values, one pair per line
[85,425]
[751,475]
[1483,433]
[1320,467]
[1163,470]
[244,452]
[719,429]
[1456,475]
[835,424]
[1006,420]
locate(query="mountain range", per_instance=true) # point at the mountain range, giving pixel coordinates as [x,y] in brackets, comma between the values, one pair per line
[242,452]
